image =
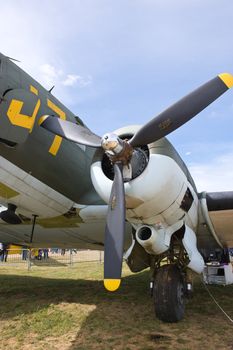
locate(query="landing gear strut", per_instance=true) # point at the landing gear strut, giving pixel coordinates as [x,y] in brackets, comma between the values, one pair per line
[169,293]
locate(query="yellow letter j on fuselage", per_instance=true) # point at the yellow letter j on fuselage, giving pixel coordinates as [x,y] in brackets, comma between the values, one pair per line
[14,111]
[25,99]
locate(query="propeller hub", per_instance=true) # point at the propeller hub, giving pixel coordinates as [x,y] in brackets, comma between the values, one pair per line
[112,144]
[118,150]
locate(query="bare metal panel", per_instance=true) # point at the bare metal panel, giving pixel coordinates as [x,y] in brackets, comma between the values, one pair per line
[223,224]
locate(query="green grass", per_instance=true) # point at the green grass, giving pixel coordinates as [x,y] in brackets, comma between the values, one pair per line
[68,308]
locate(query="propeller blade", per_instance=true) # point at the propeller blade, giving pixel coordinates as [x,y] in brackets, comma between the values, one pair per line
[70,131]
[115,232]
[182,111]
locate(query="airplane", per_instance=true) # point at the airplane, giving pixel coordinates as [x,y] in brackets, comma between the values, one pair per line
[128,192]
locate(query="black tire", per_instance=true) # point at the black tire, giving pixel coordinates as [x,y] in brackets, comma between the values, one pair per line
[169,294]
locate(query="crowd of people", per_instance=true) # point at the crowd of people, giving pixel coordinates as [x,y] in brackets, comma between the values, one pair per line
[39,254]
[35,253]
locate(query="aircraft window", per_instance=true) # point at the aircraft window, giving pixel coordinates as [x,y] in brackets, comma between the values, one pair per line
[79,121]
[187,201]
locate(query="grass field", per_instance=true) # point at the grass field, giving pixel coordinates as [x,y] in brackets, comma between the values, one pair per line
[68,308]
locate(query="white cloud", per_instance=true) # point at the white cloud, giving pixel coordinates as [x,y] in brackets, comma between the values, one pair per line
[217,175]
[50,75]
[72,79]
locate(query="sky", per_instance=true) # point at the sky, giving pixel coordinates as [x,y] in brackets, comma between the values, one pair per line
[117,63]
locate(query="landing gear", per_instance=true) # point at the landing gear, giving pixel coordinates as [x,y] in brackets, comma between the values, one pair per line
[169,293]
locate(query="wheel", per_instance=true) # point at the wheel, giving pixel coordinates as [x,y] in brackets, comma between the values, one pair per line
[169,294]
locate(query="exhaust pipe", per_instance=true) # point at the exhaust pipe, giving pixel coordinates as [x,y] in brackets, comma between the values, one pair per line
[153,241]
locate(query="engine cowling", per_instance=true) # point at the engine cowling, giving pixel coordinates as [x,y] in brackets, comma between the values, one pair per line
[155,194]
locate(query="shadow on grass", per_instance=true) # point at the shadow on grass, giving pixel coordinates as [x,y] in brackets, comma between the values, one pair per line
[124,317]
[41,292]
[48,262]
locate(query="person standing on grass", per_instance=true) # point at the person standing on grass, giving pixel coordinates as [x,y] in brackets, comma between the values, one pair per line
[1,251]
[4,252]
[24,252]
[46,253]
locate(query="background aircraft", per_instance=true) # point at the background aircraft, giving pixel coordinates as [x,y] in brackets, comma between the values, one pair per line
[57,177]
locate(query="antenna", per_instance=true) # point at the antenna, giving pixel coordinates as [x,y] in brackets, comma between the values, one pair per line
[13,59]
[51,88]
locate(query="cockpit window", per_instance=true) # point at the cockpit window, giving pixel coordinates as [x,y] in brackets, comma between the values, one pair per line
[79,121]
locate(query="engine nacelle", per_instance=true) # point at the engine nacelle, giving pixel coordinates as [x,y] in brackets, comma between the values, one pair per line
[156,194]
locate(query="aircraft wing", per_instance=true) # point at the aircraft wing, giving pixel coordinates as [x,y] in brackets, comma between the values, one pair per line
[220,206]
[81,228]
[216,224]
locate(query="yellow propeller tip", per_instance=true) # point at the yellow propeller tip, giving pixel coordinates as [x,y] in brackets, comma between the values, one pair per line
[42,119]
[227,79]
[112,284]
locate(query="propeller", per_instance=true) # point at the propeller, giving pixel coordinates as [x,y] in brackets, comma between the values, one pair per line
[120,153]
[114,232]
[70,131]
[183,110]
